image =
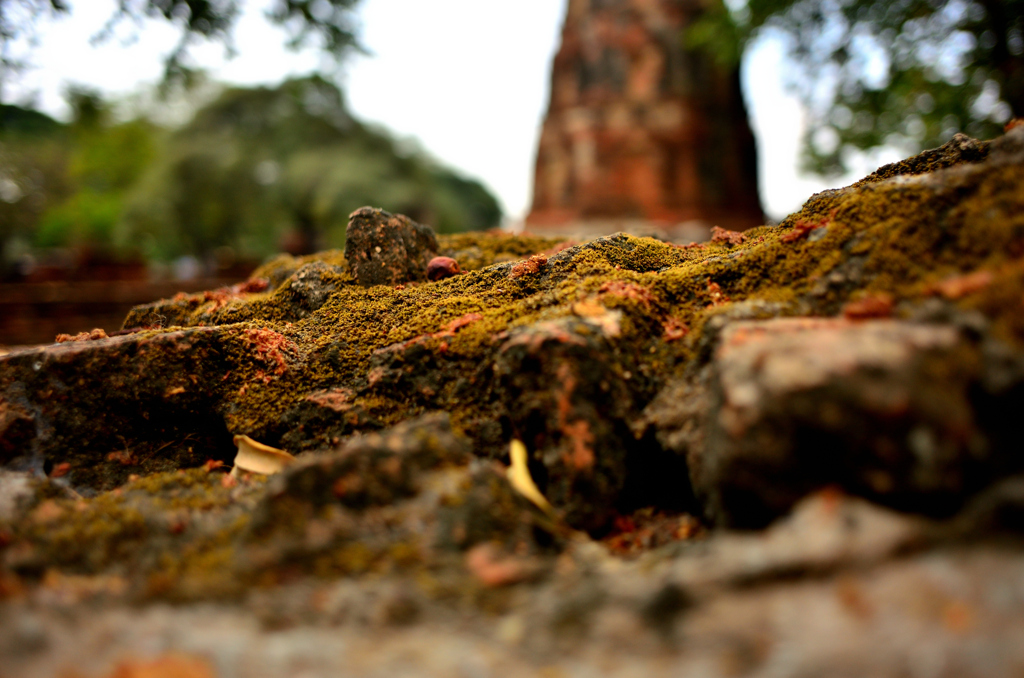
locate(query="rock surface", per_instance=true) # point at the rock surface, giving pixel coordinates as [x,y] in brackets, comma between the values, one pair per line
[387,249]
[845,387]
[880,406]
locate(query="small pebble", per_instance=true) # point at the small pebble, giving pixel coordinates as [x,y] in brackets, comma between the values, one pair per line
[439,268]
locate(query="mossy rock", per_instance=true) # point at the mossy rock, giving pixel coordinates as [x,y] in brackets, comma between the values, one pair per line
[562,345]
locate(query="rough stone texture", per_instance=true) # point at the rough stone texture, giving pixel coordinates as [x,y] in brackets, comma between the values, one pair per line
[847,384]
[640,128]
[564,400]
[840,588]
[374,469]
[387,249]
[882,407]
[17,428]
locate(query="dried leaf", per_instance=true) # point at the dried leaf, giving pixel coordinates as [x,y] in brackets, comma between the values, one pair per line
[522,481]
[259,458]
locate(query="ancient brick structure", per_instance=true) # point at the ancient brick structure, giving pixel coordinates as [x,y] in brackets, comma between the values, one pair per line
[642,133]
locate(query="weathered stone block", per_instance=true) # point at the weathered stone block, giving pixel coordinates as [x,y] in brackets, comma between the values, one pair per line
[375,469]
[881,407]
[387,249]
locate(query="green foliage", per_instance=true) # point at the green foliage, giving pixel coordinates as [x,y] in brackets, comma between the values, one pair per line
[326,23]
[256,170]
[17,22]
[717,33]
[86,219]
[22,122]
[112,159]
[33,176]
[262,168]
[65,183]
[901,72]
[327,20]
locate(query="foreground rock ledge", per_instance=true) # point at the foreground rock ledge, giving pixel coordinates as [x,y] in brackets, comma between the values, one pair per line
[847,383]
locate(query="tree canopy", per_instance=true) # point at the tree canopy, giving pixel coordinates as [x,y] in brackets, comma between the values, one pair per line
[255,170]
[908,73]
[261,168]
[327,23]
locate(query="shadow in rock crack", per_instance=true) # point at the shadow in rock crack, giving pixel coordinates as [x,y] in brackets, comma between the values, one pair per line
[656,478]
[168,440]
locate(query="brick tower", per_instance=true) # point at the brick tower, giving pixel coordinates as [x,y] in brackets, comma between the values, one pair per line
[642,133]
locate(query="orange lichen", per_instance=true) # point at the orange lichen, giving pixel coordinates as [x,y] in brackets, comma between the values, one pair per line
[719,234]
[646,529]
[876,306]
[579,433]
[97,333]
[802,228]
[166,666]
[333,399]
[123,457]
[674,329]
[457,324]
[581,456]
[627,290]
[534,340]
[270,347]
[492,568]
[851,597]
[962,285]
[251,286]
[529,266]
[718,297]
[958,617]
[222,295]
[568,381]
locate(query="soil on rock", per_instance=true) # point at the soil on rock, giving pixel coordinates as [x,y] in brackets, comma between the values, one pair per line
[844,386]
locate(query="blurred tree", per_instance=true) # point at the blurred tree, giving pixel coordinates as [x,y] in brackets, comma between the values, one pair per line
[104,159]
[326,23]
[264,168]
[256,170]
[17,21]
[33,178]
[907,73]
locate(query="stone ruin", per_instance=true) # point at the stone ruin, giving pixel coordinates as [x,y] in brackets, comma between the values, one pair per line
[642,134]
[792,451]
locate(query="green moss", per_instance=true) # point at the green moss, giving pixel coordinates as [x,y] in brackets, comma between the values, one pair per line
[85,538]
[892,237]
[399,351]
[283,265]
[476,250]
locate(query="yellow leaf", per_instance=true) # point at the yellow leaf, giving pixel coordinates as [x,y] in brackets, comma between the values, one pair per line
[259,458]
[522,481]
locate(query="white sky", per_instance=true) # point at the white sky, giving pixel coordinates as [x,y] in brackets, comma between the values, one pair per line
[467,78]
